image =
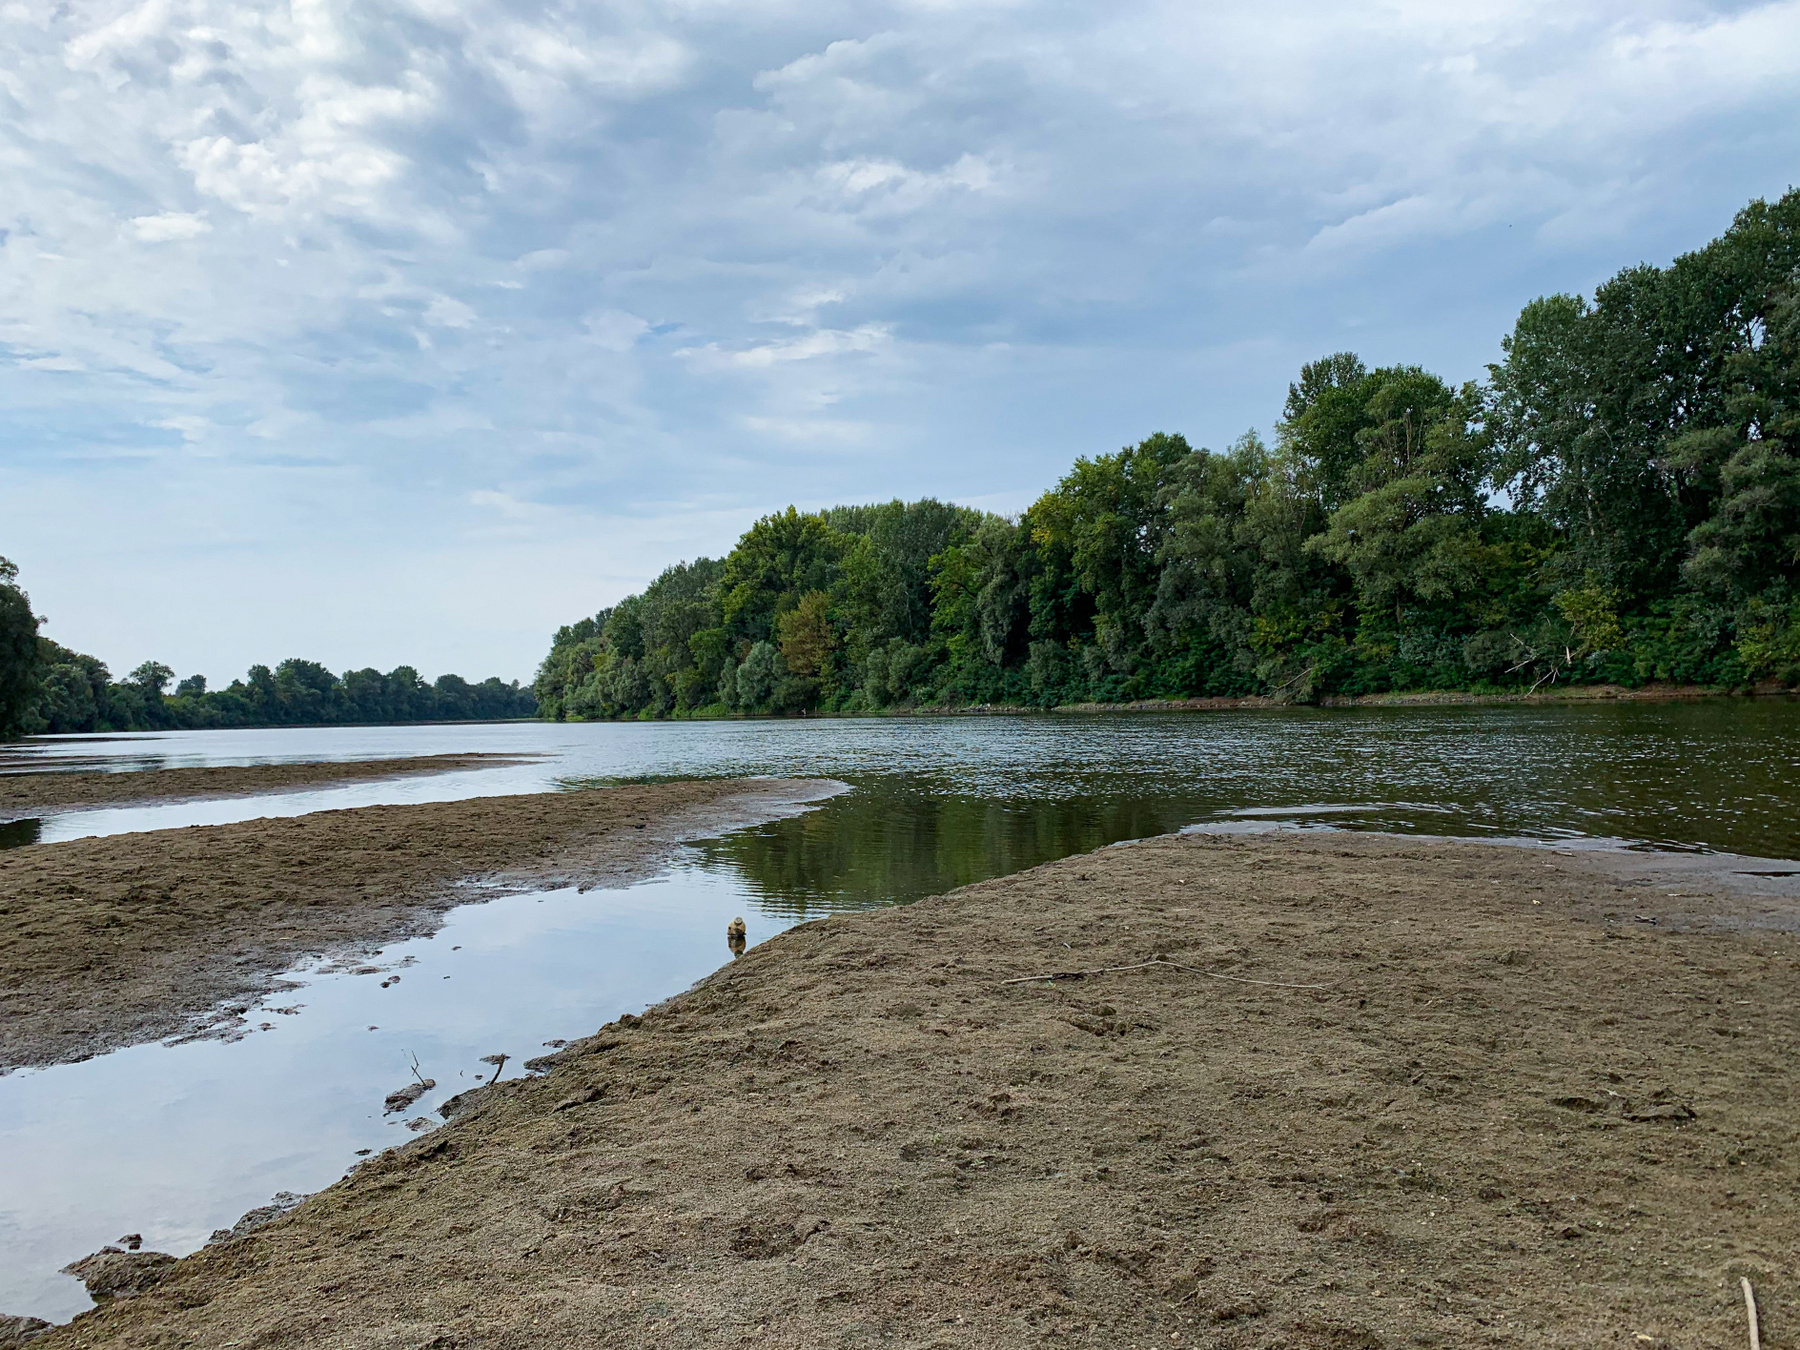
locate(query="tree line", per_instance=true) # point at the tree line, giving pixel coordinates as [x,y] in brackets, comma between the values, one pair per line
[47,688]
[1619,501]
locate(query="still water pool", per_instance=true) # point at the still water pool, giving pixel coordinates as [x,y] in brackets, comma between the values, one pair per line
[172,1141]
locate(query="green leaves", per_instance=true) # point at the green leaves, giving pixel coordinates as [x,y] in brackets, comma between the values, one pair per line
[20,673]
[1621,501]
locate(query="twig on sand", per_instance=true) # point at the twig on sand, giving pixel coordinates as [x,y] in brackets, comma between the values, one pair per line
[1750,1311]
[1159,961]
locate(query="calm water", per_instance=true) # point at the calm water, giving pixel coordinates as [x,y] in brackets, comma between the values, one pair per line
[939,796]
[173,1141]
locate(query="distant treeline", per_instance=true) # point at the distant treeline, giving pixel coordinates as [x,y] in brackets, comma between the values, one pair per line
[46,688]
[1619,501]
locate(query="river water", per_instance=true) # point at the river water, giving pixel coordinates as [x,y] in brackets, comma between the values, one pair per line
[172,1141]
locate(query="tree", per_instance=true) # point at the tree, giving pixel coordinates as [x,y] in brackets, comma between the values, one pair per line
[778,560]
[805,635]
[1410,533]
[20,674]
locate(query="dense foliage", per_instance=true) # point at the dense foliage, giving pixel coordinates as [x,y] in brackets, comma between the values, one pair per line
[45,687]
[1619,502]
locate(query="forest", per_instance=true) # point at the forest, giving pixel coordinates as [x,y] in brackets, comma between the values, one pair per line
[45,688]
[1617,502]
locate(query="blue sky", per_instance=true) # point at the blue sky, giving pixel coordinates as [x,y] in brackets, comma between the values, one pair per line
[379,332]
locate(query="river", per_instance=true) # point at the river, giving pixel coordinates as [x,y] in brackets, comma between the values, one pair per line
[171,1141]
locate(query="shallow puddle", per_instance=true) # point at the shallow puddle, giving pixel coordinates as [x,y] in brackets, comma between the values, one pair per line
[174,1141]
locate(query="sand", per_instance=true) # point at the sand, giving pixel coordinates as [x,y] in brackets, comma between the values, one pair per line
[43,791]
[1512,1112]
[126,938]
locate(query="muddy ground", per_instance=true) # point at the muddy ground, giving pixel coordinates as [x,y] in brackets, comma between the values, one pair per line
[127,938]
[1512,1112]
[41,791]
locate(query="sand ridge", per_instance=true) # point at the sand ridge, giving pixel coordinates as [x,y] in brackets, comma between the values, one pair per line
[1514,1116]
[116,940]
[40,791]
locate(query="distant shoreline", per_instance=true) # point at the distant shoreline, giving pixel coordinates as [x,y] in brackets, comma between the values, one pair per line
[1595,693]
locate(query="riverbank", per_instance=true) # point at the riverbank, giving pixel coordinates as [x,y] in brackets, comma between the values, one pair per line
[126,938]
[1391,1093]
[42,791]
[1448,698]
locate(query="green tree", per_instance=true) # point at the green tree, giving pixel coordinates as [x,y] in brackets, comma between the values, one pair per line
[778,560]
[1410,533]
[20,672]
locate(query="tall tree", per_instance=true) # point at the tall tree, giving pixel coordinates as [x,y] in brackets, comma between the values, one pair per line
[20,675]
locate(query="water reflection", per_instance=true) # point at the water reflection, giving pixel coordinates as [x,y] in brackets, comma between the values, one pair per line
[1720,774]
[175,1141]
[893,841]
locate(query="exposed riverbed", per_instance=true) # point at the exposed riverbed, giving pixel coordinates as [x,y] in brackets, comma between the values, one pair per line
[936,803]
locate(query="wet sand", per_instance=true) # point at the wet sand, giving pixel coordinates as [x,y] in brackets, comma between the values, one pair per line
[126,938]
[1450,1095]
[39,792]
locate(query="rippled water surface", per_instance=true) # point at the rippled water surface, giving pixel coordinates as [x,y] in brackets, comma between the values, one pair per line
[175,1140]
[1719,774]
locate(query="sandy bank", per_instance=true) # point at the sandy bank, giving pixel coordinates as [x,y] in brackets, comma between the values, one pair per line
[116,940]
[30,794]
[1513,1115]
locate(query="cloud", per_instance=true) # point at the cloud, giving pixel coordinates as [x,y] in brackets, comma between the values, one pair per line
[677,263]
[822,342]
[169,225]
[505,503]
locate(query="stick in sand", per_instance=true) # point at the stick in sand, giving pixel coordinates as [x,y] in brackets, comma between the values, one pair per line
[1750,1311]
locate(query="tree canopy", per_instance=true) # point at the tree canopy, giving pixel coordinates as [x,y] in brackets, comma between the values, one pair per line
[71,692]
[1618,501]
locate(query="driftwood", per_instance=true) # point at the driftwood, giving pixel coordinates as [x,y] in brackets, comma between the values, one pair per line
[1750,1311]
[1159,961]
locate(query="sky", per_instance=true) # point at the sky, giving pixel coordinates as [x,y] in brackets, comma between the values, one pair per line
[403,331]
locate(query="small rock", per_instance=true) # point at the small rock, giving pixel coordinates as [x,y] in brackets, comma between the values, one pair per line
[111,1273]
[1578,1103]
[461,1102]
[401,1098]
[1648,1111]
[260,1217]
[18,1330]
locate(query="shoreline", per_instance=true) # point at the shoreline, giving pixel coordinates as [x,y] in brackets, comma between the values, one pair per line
[29,793]
[121,939]
[1577,694]
[1391,1092]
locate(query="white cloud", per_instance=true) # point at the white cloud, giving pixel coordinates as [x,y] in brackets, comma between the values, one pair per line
[448,312]
[614,329]
[505,503]
[169,225]
[823,342]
